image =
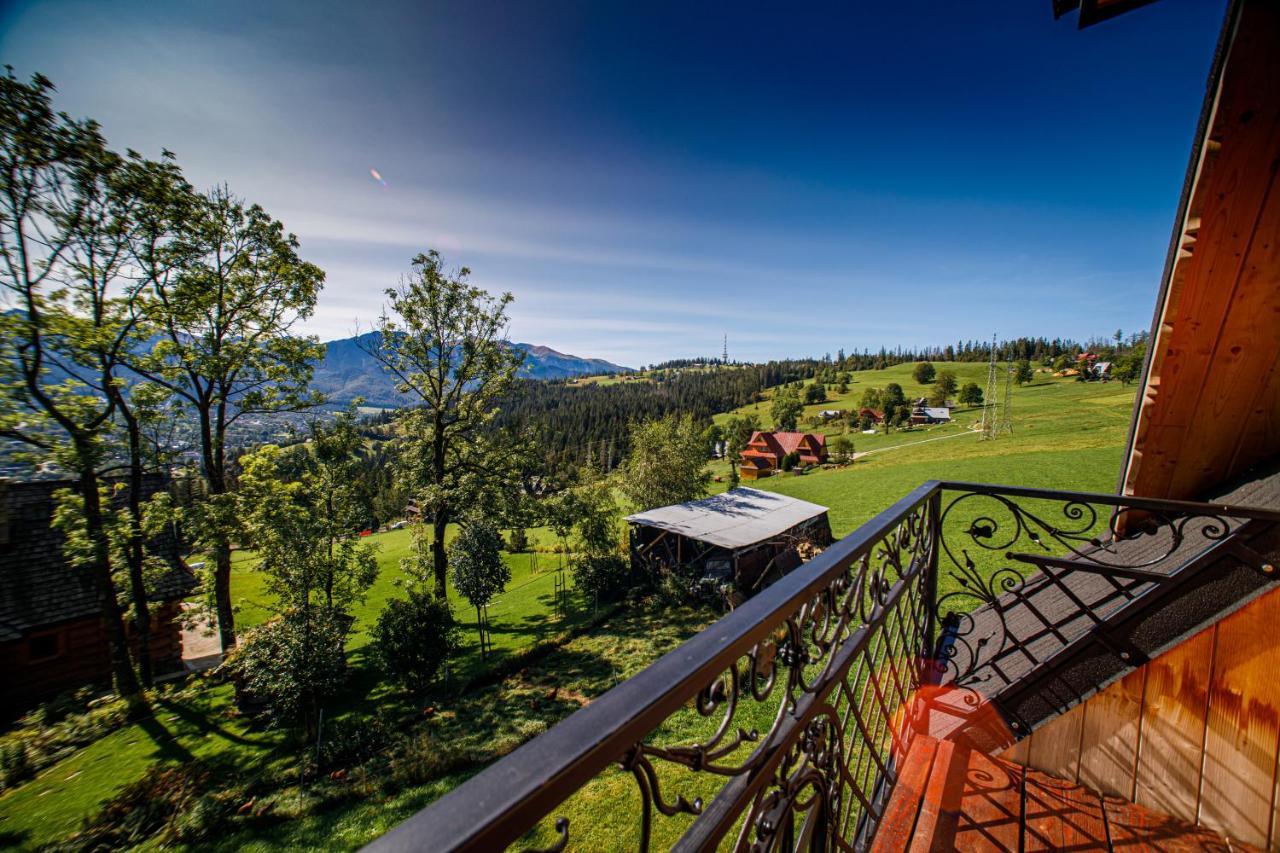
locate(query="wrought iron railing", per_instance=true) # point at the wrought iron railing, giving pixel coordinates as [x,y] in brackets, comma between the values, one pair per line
[784,724]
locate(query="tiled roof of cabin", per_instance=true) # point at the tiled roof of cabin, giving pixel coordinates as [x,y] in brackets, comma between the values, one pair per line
[38,587]
[786,442]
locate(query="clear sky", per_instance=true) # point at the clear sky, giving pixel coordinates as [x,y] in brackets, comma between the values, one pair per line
[648,177]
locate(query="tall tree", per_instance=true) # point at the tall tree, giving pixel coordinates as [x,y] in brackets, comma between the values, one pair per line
[225,312]
[63,229]
[443,342]
[667,465]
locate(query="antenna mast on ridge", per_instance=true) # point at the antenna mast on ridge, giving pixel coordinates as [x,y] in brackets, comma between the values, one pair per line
[725,357]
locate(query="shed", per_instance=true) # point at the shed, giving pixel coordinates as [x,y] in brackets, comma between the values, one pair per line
[744,537]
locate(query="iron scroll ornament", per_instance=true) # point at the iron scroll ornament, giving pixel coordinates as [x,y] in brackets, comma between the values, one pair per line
[835,673]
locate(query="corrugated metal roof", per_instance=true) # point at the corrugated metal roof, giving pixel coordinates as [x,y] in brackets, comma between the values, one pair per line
[735,519]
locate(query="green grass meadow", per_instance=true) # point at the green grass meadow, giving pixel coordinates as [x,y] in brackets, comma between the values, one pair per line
[1066,435]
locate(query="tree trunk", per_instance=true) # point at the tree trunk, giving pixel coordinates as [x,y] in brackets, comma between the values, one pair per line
[480,630]
[222,593]
[439,556]
[137,582]
[440,514]
[215,476]
[126,680]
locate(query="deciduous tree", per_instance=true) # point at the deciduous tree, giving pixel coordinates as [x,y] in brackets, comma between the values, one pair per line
[786,409]
[479,572]
[225,313]
[443,342]
[667,464]
[738,431]
[63,235]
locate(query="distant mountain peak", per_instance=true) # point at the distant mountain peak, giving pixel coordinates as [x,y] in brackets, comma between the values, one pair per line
[347,371]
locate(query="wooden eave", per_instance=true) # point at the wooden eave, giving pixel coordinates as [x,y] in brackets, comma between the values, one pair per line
[1209,406]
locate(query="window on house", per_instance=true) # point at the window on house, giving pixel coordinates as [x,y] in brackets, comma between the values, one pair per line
[42,647]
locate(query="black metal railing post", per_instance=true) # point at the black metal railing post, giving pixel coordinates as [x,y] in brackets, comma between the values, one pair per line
[931,575]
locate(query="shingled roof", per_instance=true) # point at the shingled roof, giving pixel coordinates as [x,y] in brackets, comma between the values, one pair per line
[38,586]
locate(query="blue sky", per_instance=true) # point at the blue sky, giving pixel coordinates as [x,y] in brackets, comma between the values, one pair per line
[646,178]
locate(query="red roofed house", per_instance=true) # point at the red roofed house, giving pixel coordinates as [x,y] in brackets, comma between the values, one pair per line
[764,452]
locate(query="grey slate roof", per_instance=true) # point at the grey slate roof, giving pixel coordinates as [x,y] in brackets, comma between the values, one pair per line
[735,519]
[38,587]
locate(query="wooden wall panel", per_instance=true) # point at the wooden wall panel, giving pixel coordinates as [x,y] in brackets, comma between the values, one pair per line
[1055,747]
[1194,734]
[1208,411]
[1173,717]
[1109,740]
[1244,725]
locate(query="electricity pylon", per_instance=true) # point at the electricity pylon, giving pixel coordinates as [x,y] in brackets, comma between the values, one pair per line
[989,401]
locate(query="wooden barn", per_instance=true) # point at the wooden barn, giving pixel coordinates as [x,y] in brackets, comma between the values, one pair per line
[52,638]
[764,452]
[746,537]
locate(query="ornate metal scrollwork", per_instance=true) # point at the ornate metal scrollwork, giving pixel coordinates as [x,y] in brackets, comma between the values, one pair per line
[1082,537]
[808,658]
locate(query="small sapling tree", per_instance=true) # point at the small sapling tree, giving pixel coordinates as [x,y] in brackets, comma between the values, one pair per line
[479,572]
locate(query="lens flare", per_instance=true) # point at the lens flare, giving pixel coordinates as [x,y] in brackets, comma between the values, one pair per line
[377,177]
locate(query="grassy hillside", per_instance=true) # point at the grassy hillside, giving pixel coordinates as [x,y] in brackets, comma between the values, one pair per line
[1066,434]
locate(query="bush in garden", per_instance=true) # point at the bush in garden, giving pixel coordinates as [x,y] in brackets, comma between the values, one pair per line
[413,638]
[292,664]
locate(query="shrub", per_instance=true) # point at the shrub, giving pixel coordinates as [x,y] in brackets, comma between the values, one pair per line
[54,730]
[15,766]
[790,460]
[413,639]
[142,809]
[292,664]
[603,574]
[518,541]
[346,743]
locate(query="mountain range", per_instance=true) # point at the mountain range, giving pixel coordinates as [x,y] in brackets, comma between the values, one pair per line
[348,371]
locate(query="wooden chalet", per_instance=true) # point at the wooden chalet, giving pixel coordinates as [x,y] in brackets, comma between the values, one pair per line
[764,452]
[51,634]
[744,537]
[874,415]
[922,413]
[994,667]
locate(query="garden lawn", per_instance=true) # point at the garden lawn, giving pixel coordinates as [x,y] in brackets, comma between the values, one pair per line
[188,724]
[520,617]
[197,723]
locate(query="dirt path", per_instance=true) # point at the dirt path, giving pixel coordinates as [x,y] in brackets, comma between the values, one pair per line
[858,456]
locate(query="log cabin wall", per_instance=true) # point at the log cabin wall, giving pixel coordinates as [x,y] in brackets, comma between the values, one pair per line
[1194,733]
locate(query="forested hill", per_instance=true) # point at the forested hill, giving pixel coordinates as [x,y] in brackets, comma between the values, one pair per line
[579,422]
[576,422]
[348,371]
